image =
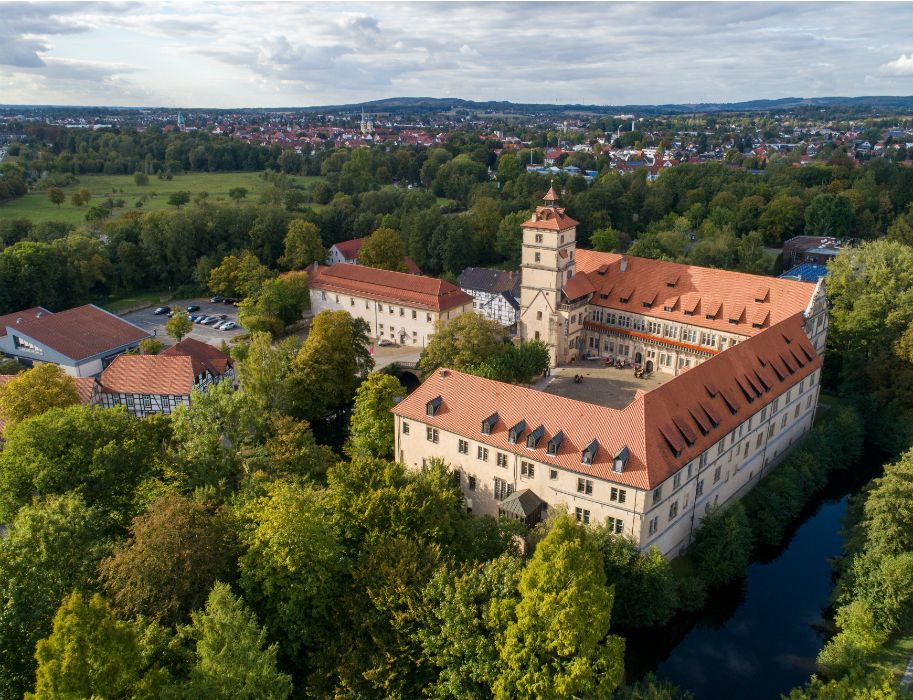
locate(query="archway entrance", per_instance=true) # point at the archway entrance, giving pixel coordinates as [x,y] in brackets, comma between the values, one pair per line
[649,365]
[638,358]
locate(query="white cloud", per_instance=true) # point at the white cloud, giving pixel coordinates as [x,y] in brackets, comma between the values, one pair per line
[899,66]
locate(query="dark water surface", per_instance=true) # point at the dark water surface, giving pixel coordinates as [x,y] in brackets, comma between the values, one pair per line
[759,637]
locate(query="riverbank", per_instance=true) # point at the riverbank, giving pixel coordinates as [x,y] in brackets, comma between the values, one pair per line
[759,636]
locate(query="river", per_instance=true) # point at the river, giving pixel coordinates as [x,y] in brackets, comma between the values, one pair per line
[758,637]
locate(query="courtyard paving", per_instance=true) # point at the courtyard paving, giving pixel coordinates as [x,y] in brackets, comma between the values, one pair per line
[606,386]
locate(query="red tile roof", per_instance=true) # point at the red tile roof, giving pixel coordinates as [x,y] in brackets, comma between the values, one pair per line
[10,319]
[663,429]
[388,286]
[350,249]
[203,355]
[78,333]
[700,290]
[550,218]
[148,374]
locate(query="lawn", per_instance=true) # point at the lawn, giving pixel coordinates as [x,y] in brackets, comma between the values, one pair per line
[895,655]
[36,206]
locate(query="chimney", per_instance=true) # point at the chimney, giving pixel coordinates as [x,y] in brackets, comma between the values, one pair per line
[444,372]
[624,264]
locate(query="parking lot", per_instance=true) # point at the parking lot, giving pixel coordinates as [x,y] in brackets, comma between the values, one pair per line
[146,318]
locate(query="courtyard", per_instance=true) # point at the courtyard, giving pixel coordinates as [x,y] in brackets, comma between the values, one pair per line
[606,386]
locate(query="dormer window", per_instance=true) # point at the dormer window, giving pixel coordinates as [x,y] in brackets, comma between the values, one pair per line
[514,433]
[489,423]
[588,456]
[620,460]
[533,438]
[431,408]
[555,443]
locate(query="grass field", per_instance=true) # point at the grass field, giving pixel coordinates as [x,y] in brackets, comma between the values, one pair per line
[36,206]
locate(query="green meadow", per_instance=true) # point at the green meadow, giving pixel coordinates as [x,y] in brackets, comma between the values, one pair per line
[38,208]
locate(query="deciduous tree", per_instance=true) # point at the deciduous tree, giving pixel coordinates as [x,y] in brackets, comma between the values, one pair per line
[56,196]
[35,391]
[383,249]
[179,325]
[467,340]
[302,246]
[371,425]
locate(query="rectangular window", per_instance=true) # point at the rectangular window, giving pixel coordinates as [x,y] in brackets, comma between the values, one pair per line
[583,515]
[585,486]
[673,510]
[502,489]
[618,495]
[463,447]
[538,238]
[414,314]
[700,488]
[677,480]
[527,469]
[482,453]
[538,257]
[405,428]
[716,474]
[657,495]
[431,434]
[472,483]
[501,459]
[552,474]
[654,523]
[428,318]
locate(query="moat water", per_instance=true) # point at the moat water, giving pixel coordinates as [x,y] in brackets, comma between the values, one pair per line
[758,637]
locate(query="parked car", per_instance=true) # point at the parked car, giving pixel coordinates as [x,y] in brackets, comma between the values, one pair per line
[192,308]
[192,319]
[229,300]
[216,299]
[384,343]
[162,310]
[209,320]
[227,326]
[199,319]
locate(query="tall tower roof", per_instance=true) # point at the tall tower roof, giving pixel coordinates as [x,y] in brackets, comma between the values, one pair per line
[551,196]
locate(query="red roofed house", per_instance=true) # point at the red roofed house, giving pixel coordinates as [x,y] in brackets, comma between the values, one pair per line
[752,347]
[398,306]
[148,384]
[347,252]
[81,341]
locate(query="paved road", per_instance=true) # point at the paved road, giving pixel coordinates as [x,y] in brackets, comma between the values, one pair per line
[146,318]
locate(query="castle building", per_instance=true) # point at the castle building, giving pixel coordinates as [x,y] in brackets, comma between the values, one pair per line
[744,353]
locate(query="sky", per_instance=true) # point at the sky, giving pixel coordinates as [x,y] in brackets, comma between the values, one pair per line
[289,54]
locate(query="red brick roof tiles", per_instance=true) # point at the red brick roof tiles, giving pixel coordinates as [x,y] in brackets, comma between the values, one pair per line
[148,374]
[203,355]
[78,333]
[10,319]
[385,285]
[702,292]
[663,429]
[550,218]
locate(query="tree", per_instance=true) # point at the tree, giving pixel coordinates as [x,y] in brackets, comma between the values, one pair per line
[302,246]
[556,642]
[605,240]
[91,654]
[140,179]
[722,546]
[232,659]
[289,451]
[237,193]
[646,593]
[52,547]
[100,453]
[782,219]
[175,553]
[467,340]
[179,198]
[509,238]
[76,199]
[292,563]
[371,425]
[179,325]
[857,641]
[265,369]
[97,214]
[829,215]
[459,635]
[85,195]
[56,196]
[383,249]
[150,346]
[35,391]
[324,373]
[239,276]
[278,303]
